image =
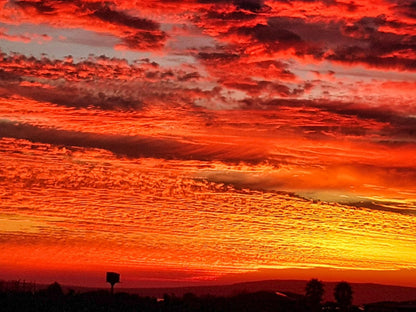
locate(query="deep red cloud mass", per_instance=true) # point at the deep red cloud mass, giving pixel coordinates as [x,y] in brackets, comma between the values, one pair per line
[134,32]
[207,140]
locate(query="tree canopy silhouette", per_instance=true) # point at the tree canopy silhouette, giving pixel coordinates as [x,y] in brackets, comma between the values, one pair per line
[343,295]
[314,293]
[54,291]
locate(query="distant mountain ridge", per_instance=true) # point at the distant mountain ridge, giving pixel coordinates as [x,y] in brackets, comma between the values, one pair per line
[363,292]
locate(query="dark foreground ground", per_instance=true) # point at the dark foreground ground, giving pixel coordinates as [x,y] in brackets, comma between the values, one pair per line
[52,300]
[18,297]
[364,293]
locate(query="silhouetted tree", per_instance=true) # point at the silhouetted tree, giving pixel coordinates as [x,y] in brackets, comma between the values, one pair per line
[54,290]
[314,293]
[343,295]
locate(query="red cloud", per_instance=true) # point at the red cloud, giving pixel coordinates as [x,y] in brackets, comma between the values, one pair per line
[272,26]
[134,32]
[26,38]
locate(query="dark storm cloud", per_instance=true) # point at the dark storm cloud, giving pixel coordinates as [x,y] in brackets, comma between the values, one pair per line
[357,55]
[145,40]
[93,68]
[230,16]
[255,88]
[282,33]
[148,35]
[99,82]
[55,81]
[217,56]
[135,33]
[101,10]
[134,146]
[244,66]
[359,43]
[121,145]
[236,71]
[107,14]
[42,7]
[379,50]
[79,98]
[397,129]
[269,33]
[374,47]
[384,206]
[351,42]
[7,77]
[249,5]
[190,76]
[350,6]
[405,7]
[70,96]
[340,108]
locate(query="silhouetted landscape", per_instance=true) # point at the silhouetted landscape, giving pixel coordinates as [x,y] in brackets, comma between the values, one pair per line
[363,292]
[274,295]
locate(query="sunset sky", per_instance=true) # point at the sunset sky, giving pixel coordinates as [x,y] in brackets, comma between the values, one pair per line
[207,141]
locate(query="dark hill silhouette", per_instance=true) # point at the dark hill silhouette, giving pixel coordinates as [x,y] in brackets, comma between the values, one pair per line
[54,299]
[363,292]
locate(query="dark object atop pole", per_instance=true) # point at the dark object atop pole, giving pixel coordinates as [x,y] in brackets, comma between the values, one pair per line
[113,278]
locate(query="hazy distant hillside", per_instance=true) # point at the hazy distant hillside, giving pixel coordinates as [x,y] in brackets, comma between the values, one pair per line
[363,293]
